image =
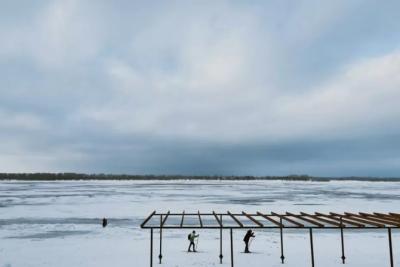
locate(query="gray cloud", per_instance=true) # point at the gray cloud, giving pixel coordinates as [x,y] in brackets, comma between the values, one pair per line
[267,87]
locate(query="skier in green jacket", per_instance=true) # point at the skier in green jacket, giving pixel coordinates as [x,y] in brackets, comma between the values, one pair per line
[191,238]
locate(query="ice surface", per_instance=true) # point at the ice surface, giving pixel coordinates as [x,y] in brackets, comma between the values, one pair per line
[58,224]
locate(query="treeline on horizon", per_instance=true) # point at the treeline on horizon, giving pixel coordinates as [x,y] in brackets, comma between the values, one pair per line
[82,176]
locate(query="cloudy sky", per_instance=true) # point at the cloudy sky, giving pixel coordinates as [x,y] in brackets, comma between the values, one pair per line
[200,87]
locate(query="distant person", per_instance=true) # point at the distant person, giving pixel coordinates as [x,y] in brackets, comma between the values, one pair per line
[246,240]
[105,222]
[191,238]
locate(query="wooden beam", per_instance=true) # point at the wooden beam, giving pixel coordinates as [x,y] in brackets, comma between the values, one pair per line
[235,219]
[252,219]
[379,219]
[353,218]
[147,219]
[201,222]
[385,215]
[306,219]
[216,217]
[183,217]
[288,219]
[388,216]
[270,219]
[316,217]
[189,214]
[165,219]
[362,219]
[341,219]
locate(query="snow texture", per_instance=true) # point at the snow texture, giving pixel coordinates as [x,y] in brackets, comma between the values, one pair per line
[58,224]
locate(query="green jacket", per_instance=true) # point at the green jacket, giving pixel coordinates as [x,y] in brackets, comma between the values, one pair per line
[193,237]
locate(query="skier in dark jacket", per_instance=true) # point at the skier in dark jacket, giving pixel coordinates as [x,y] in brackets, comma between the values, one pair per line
[246,240]
[105,222]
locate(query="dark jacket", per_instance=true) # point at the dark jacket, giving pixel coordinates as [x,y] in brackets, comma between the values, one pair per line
[247,236]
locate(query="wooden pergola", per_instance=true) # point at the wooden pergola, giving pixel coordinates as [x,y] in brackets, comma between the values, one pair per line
[260,220]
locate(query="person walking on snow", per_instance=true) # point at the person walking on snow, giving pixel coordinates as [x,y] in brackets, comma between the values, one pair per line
[246,240]
[191,238]
[105,222]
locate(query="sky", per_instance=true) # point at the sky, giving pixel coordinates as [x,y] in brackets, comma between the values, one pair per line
[200,87]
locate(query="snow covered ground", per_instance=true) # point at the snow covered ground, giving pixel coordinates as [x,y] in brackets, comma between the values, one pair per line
[58,224]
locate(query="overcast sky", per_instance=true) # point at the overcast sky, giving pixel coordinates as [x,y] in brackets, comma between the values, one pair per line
[200,87]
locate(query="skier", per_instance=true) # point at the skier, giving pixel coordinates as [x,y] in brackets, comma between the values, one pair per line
[104,222]
[191,238]
[246,240]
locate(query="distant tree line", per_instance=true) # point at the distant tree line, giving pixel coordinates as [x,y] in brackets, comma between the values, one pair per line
[82,176]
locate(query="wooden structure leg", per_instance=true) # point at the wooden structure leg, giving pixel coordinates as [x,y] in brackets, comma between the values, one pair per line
[390,247]
[220,243]
[151,247]
[160,255]
[342,242]
[281,234]
[312,248]
[231,247]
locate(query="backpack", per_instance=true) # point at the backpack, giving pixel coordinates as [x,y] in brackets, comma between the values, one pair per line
[189,236]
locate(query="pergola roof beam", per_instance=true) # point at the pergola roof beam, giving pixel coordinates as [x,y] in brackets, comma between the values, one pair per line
[148,219]
[306,219]
[366,220]
[252,219]
[340,219]
[287,219]
[183,217]
[165,219]
[216,218]
[387,216]
[380,219]
[354,218]
[270,219]
[200,221]
[318,218]
[235,219]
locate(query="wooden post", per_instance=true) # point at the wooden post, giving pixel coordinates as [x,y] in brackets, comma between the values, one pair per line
[281,233]
[151,247]
[220,242]
[312,247]
[160,255]
[390,247]
[231,248]
[342,240]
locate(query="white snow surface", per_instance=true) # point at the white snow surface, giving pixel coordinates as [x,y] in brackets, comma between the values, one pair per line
[58,224]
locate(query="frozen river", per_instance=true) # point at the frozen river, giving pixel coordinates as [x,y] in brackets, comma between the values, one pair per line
[58,224]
